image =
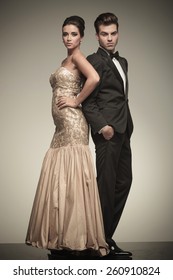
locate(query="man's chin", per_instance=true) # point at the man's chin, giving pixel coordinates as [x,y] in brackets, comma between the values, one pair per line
[110,49]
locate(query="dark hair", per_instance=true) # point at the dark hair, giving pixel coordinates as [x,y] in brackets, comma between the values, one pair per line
[77,21]
[105,19]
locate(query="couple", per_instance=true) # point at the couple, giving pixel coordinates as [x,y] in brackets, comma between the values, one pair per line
[72,212]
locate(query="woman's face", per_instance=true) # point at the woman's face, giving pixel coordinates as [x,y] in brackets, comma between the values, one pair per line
[71,36]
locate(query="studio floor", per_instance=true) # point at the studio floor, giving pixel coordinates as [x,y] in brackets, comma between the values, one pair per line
[140,251]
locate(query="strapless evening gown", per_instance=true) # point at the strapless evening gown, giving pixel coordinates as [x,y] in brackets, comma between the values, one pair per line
[66,212]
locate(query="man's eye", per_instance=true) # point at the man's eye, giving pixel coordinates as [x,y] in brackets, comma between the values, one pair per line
[114,33]
[104,34]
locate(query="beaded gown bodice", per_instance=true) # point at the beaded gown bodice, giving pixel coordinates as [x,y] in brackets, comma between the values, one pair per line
[71,125]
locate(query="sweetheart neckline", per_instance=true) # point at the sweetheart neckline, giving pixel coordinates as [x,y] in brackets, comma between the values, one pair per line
[70,71]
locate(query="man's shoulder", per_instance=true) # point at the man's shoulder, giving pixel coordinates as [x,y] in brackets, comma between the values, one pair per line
[95,59]
[93,56]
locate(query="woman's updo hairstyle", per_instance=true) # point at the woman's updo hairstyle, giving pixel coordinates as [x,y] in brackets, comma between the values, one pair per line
[77,21]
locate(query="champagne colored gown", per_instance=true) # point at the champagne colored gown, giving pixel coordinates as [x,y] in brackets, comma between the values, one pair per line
[66,212]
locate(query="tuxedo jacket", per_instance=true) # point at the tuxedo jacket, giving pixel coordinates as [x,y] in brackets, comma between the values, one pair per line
[108,103]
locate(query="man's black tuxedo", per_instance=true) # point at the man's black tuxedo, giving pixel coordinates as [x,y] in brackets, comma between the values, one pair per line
[108,105]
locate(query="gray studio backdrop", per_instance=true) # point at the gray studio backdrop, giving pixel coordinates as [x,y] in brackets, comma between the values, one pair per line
[31,49]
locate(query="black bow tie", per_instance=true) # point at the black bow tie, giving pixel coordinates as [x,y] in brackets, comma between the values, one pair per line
[116,55]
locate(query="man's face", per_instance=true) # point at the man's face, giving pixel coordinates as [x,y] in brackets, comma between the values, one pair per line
[108,37]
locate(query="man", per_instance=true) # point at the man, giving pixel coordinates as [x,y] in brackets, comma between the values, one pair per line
[107,111]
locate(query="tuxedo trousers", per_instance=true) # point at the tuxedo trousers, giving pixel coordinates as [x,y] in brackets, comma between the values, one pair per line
[114,177]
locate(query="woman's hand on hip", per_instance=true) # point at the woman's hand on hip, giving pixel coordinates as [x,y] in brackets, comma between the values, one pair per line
[65,101]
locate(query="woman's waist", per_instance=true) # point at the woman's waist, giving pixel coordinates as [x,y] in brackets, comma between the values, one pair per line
[65,92]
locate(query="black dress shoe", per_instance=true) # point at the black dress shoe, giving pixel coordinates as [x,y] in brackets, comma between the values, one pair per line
[115,250]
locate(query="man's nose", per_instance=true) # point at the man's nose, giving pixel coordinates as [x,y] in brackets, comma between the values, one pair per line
[109,37]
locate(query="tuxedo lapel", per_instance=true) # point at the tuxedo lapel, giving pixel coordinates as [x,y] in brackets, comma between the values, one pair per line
[114,69]
[111,64]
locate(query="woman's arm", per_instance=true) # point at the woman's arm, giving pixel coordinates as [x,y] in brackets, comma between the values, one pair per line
[92,80]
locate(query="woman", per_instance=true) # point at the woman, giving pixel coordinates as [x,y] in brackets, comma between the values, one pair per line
[66,213]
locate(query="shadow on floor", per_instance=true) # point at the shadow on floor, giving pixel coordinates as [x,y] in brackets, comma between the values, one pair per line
[140,251]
